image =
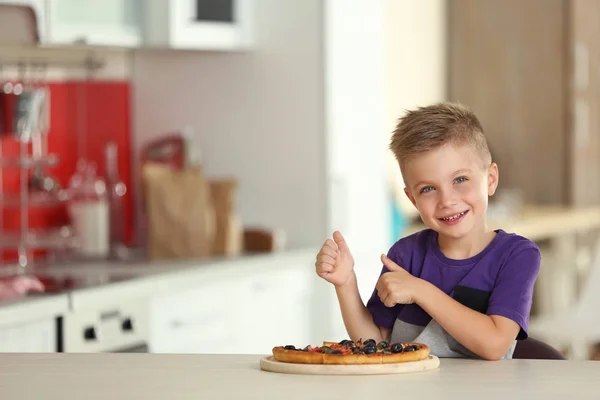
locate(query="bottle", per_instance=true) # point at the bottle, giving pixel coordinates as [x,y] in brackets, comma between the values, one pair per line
[88,210]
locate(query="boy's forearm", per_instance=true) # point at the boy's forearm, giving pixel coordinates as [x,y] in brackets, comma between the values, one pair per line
[474,330]
[357,318]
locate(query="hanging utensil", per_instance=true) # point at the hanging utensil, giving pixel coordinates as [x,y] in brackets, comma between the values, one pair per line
[28,102]
[40,180]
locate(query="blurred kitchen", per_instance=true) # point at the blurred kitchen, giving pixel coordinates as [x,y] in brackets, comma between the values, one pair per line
[169,169]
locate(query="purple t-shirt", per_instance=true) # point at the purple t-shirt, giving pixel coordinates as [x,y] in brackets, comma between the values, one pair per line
[497,281]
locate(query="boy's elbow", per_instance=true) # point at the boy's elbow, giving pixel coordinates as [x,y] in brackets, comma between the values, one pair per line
[494,352]
[492,356]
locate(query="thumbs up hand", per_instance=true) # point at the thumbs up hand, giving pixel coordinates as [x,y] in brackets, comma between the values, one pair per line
[397,286]
[334,261]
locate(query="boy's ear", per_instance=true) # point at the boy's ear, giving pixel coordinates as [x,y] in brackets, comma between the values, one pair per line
[492,178]
[410,197]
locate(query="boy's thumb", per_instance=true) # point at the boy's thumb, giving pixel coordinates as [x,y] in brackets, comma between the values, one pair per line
[392,266]
[340,241]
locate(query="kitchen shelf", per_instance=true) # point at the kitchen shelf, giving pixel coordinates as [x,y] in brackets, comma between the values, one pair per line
[60,238]
[29,162]
[73,57]
[39,199]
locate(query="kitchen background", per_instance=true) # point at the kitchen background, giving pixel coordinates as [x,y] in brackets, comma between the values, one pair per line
[170,168]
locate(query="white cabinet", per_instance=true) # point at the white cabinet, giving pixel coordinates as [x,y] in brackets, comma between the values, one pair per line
[244,313]
[198,24]
[29,337]
[175,24]
[94,22]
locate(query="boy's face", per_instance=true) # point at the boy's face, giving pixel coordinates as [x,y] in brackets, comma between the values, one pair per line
[450,186]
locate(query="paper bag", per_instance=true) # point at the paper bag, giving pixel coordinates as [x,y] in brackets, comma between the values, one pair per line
[180,215]
[229,233]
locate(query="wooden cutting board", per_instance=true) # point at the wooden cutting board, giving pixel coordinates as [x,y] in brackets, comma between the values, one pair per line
[272,365]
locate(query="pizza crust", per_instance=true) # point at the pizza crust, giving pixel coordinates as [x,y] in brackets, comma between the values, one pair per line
[307,357]
[295,356]
[421,354]
[351,359]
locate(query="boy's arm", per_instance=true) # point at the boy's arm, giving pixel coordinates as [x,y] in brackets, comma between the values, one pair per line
[489,336]
[358,320]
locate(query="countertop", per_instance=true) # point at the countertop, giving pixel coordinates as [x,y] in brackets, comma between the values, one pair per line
[110,281]
[153,376]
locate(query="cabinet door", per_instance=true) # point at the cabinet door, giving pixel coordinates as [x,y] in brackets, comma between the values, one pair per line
[584,101]
[198,24]
[39,7]
[94,22]
[503,57]
[277,310]
[29,337]
[204,319]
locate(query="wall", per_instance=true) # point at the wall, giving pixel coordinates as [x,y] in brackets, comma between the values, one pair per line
[416,66]
[258,116]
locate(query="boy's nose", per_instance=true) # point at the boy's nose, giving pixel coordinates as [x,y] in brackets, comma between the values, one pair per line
[447,198]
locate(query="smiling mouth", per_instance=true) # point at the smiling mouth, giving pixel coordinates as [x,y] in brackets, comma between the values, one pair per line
[453,217]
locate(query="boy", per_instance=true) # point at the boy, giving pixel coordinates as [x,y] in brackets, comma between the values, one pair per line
[457,286]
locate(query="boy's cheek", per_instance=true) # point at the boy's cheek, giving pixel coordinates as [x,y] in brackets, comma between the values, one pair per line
[425,209]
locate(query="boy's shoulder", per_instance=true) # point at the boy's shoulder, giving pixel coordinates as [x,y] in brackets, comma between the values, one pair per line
[513,243]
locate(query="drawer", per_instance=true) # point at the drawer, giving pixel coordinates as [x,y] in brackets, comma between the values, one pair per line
[189,321]
[30,337]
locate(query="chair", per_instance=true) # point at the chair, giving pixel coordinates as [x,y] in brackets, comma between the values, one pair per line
[533,349]
[578,327]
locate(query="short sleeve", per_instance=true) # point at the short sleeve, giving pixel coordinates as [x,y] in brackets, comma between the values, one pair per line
[512,294]
[382,315]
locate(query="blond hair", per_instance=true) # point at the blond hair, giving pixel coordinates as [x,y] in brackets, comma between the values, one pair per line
[433,126]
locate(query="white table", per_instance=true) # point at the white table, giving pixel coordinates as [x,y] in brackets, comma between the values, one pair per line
[150,376]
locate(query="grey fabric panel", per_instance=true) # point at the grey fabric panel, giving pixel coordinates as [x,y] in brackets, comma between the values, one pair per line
[441,343]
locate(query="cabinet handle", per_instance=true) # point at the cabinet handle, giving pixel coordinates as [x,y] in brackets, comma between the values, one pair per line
[206,319]
[180,324]
[110,314]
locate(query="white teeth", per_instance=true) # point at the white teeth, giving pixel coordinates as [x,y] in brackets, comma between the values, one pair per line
[454,216]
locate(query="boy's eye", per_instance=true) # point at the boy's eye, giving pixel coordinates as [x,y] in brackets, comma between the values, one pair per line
[461,179]
[426,189]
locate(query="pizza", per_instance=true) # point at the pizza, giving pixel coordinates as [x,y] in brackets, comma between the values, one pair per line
[353,352]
